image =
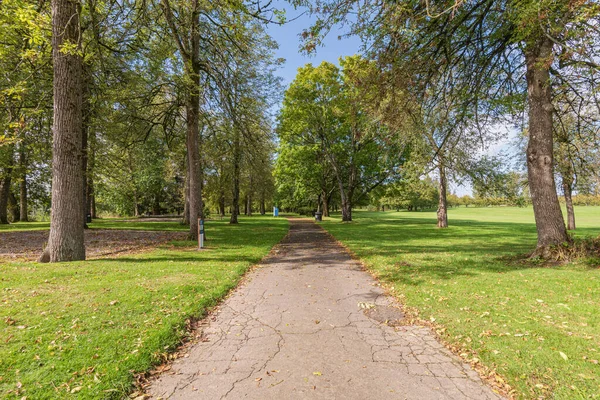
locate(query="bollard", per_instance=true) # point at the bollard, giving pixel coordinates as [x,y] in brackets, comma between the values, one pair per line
[200,233]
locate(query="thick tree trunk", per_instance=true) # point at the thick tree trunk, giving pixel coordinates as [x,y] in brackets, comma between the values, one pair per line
[346,205]
[546,208]
[442,211]
[235,206]
[66,240]
[568,190]
[23,211]
[346,211]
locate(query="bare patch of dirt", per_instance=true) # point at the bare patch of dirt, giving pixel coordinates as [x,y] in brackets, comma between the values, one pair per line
[98,242]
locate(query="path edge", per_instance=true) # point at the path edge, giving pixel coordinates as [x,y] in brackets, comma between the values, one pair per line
[143,380]
[488,375]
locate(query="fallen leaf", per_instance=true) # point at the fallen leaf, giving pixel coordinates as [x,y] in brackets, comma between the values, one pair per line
[563,355]
[317,373]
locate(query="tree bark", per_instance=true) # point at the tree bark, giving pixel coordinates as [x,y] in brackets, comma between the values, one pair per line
[263,209]
[568,190]
[249,198]
[540,167]
[186,195]
[5,193]
[13,206]
[66,240]
[222,203]
[86,110]
[235,206]
[91,195]
[442,211]
[23,211]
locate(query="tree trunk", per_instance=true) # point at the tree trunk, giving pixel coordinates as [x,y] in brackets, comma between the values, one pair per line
[156,205]
[66,240]
[4,194]
[568,190]
[546,208]
[235,206]
[193,152]
[85,124]
[442,211]
[222,204]
[23,211]
[249,198]
[186,195]
[346,205]
[13,206]
[326,202]
[91,200]
[263,209]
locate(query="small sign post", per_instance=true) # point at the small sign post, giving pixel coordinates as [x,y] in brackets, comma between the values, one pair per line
[200,233]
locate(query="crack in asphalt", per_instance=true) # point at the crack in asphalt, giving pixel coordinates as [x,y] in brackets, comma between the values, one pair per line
[297,328]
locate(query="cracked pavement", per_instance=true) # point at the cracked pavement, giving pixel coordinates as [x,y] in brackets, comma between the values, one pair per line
[310,323]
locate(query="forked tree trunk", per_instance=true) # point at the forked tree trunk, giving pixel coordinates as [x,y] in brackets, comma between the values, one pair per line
[23,211]
[66,240]
[540,166]
[568,190]
[442,211]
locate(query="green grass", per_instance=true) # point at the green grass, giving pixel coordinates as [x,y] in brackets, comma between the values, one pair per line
[86,328]
[520,319]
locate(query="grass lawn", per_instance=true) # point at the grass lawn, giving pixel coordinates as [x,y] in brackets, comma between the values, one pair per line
[85,328]
[538,327]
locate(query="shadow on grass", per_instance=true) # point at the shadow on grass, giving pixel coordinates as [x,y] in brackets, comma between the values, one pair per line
[411,250]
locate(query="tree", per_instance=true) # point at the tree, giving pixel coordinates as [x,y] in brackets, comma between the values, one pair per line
[485,45]
[323,108]
[66,240]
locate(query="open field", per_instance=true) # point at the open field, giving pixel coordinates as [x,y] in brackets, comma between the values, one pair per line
[86,328]
[538,327]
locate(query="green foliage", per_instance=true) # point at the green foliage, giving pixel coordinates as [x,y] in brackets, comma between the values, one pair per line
[328,140]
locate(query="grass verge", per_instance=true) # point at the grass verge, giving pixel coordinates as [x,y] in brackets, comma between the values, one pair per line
[537,327]
[86,328]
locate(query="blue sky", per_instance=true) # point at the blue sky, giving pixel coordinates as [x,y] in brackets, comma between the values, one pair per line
[287,36]
[289,41]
